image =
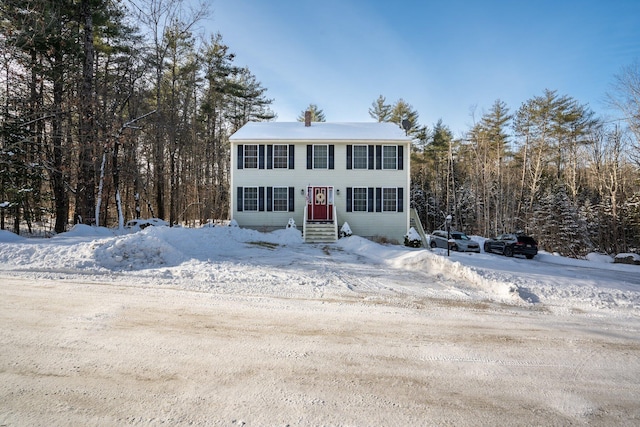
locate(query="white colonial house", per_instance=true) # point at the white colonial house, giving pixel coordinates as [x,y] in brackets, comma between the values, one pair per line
[322,175]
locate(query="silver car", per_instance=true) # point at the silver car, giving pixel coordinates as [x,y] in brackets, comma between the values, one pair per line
[458,242]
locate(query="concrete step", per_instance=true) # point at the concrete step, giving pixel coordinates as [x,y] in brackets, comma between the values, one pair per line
[320,233]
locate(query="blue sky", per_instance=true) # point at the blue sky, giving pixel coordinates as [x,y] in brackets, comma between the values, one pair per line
[449,59]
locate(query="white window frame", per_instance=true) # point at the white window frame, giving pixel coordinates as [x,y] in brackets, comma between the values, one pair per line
[247,200]
[317,157]
[388,200]
[386,158]
[363,190]
[284,203]
[279,161]
[358,164]
[250,160]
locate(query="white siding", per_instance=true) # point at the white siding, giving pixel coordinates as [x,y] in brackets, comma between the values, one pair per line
[392,225]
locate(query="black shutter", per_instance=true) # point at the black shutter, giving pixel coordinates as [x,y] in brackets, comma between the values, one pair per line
[370,199]
[292,198]
[400,206]
[309,156]
[240,157]
[239,197]
[349,156]
[349,199]
[400,157]
[260,156]
[269,199]
[378,156]
[378,199]
[292,157]
[372,156]
[331,156]
[261,199]
[269,156]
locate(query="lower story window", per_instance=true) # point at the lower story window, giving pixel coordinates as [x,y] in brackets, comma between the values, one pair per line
[389,199]
[250,198]
[375,199]
[280,199]
[360,199]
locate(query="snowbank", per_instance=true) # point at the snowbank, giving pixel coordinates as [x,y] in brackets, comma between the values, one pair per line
[8,237]
[235,260]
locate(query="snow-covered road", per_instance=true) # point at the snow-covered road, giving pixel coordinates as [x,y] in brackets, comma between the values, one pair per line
[98,354]
[227,327]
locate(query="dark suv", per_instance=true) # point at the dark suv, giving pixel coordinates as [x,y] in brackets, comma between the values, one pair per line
[512,244]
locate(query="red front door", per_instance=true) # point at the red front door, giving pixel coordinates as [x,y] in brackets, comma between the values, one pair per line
[320,203]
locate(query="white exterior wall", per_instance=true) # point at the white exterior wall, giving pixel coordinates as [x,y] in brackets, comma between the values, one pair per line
[392,225]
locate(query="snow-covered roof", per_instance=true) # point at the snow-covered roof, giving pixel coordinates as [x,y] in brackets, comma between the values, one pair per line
[320,131]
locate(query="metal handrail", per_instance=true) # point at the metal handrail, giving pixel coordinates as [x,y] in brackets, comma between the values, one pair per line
[304,221]
[335,222]
[418,226]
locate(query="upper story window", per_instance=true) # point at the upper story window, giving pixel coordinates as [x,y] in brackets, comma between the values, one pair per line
[266,156]
[360,157]
[280,156]
[250,156]
[389,157]
[320,156]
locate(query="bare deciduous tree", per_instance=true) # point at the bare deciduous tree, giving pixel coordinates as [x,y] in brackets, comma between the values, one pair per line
[625,96]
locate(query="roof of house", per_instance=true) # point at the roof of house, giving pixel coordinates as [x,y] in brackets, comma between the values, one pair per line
[320,131]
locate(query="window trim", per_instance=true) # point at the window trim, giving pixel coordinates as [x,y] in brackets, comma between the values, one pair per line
[388,200]
[246,156]
[283,159]
[386,159]
[245,199]
[311,164]
[366,157]
[353,199]
[285,200]
[325,157]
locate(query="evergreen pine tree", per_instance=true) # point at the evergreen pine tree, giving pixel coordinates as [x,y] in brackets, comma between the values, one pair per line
[559,227]
[631,209]
[317,115]
[401,111]
[380,110]
[589,214]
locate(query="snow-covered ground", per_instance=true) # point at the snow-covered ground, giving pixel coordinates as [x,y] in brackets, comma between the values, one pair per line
[241,261]
[228,326]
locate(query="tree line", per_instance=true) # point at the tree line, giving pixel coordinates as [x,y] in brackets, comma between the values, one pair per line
[113,109]
[551,169]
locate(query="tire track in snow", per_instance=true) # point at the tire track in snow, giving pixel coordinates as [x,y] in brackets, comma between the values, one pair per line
[498,362]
